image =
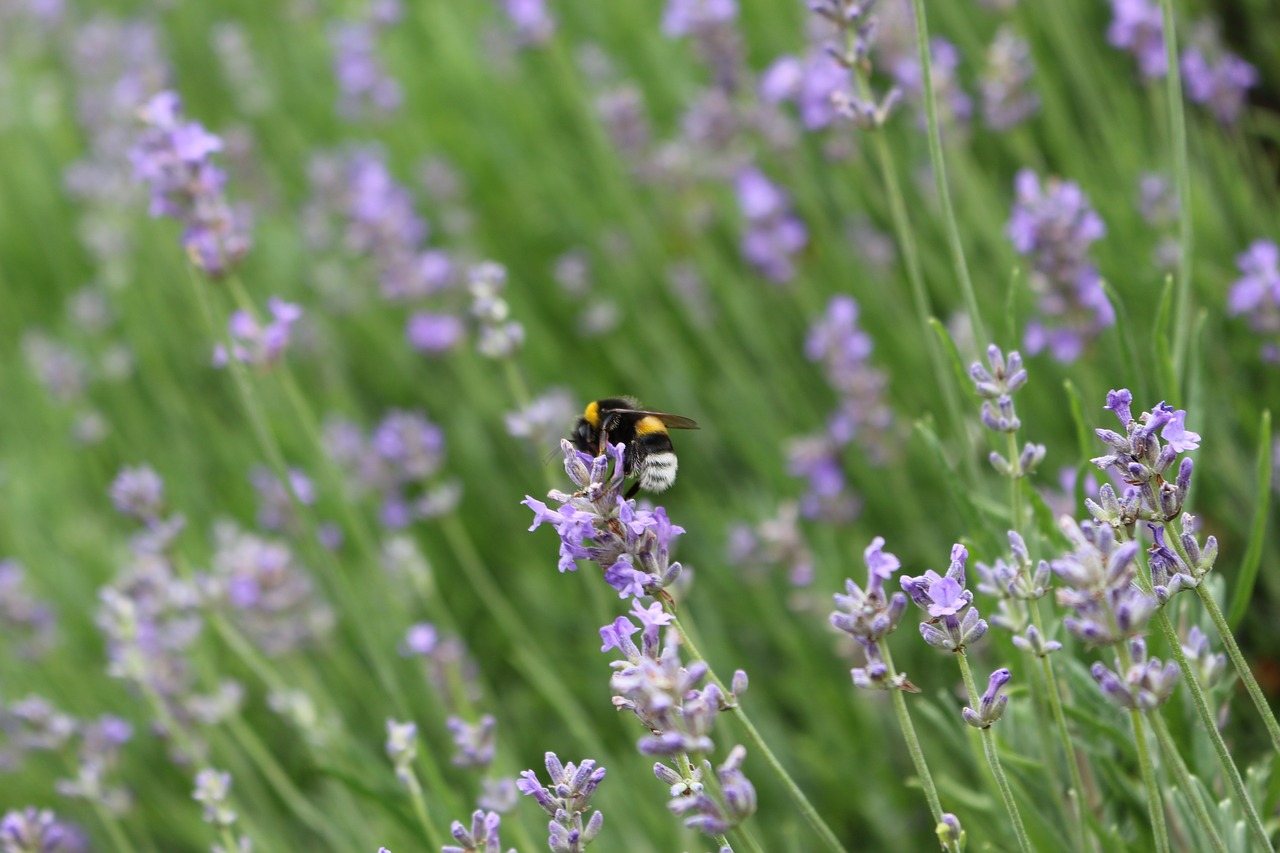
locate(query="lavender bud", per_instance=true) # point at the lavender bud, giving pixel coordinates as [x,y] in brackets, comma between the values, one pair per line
[991,706]
[211,790]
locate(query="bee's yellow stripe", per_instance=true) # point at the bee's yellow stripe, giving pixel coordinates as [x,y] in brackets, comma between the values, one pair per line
[649,425]
[592,414]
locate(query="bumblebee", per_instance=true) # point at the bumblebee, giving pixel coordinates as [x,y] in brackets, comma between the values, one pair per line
[649,456]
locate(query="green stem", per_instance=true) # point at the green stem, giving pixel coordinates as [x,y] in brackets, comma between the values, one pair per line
[1155,806]
[1180,770]
[279,780]
[802,802]
[993,758]
[1077,793]
[915,277]
[940,177]
[229,842]
[1015,484]
[119,841]
[1241,665]
[913,741]
[420,810]
[1210,726]
[1182,178]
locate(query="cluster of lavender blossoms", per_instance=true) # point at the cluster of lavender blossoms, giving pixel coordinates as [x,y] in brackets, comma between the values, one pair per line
[482,837]
[172,156]
[1014,583]
[365,88]
[1257,294]
[566,800]
[1141,462]
[1212,76]
[869,615]
[399,461]
[631,545]
[257,343]
[28,624]
[996,386]
[1053,226]
[33,830]
[533,23]
[850,35]
[1007,98]
[774,235]
[944,598]
[861,416]
[652,682]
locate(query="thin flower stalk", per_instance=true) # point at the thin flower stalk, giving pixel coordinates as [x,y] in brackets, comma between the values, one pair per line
[1155,803]
[938,161]
[1182,178]
[1170,750]
[992,753]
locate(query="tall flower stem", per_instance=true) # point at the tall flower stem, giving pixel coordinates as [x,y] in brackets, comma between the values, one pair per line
[802,802]
[940,176]
[989,747]
[1015,485]
[1155,804]
[1182,179]
[1077,794]
[913,741]
[1170,750]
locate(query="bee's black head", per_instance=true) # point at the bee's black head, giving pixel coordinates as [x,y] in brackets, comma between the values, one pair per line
[584,437]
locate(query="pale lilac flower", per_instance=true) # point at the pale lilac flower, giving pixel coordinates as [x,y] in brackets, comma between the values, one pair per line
[26,622]
[173,157]
[1053,226]
[992,704]
[532,22]
[97,756]
[1145,685]
[1141,461]
[211,791]
[810,82]
[1157,199]
[686,17]
[1257,293]
[402,749]
[703,812]
[434,333]
[1137,26]
[482,837]
[253,342]
[543,420]
[773,234]
[955,106]
[35,830]
[270,596]
[597,523]
[869,614]
[1210,668]
[996,387]
[944,598]
[1215,77]
[566,800]
[474,742]
[1099,585]
[365,87]
[138,493]
[1007,99]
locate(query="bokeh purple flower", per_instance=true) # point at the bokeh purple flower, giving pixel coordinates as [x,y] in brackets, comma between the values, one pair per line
[1053,225]
[257,343]
[1137,27]
[1257,294]
[566,800]
[1214,76]
[773,235]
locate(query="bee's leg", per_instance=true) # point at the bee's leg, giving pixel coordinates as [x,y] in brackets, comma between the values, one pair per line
[631,492]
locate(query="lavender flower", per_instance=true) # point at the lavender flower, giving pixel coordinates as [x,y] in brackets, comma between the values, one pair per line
[1142,461]
[271,597]
[481,838]
[532,22]
[138,493]
[1099,585]
[1007,100]
[27,623]
[32,724]
[1137,26]
[35,830]
[543,419]
[1210,668]
[1214,76]
[631,545]
[1054,226]
[775,541]
[276,511]
[250,87]
[1034,644]
[660,690]
[474,741]
[497,336]
[1146,684]
[999,384]
[255,343]
[97,756]
[1257,293]
[812,82]
[211,791]
[172,156]
[944,598]
[774,235]
[955,106]
[402,749]
[993,702]
[711,26]
[870,614]
[701,811]
[1157,199]
[566,801]
[1013,583]
[365,88]
[950,833]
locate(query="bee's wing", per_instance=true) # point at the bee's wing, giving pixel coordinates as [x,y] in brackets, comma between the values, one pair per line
[668,420]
